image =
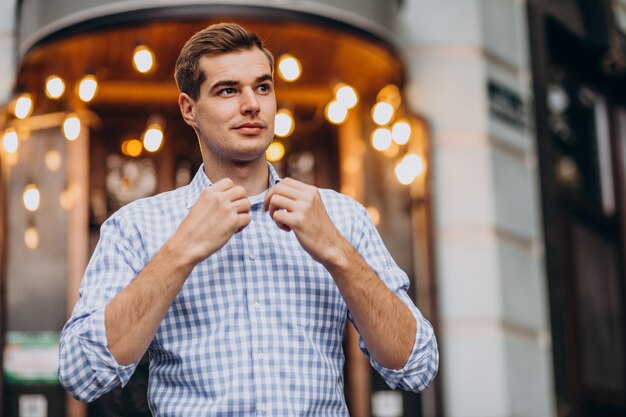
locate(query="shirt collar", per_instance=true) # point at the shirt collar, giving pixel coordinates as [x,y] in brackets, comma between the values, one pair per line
[200,181]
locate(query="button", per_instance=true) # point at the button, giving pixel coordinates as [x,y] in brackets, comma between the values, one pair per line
[251,256]
[259,355]
[263,408]
[257,306]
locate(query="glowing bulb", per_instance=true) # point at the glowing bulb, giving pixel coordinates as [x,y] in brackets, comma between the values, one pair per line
[409,168]
[87,88]
[336,113]
[55,87]
[31,197]
[23,106]
[31,238]
[382,112]
[53,160]
[132,147]
[275,152]
[381,139]
[143,59]
[71,127]
[289,67]
[347,96]
[401,132]
[283,123]
[153,138]
[10,141]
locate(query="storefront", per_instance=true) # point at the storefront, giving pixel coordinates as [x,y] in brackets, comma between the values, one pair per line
[94,124]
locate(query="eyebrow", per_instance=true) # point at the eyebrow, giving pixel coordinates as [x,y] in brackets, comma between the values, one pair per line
[231,83]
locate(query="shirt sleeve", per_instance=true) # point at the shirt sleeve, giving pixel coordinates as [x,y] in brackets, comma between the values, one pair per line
[87,369]
[421,367]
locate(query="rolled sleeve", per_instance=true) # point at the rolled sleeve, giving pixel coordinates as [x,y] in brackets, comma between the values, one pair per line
[87,369]
[421,367]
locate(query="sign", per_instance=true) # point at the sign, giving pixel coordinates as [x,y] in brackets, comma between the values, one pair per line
[507,106]
[31,357]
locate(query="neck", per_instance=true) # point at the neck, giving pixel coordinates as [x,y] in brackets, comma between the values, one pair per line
[253,176]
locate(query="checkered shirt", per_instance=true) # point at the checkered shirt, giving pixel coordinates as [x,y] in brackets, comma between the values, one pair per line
[257,327]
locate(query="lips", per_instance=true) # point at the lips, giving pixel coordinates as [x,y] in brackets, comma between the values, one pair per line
[250,128]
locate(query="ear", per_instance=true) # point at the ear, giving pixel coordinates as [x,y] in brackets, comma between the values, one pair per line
[186,105]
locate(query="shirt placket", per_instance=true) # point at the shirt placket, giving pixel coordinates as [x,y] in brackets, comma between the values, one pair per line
[258,311]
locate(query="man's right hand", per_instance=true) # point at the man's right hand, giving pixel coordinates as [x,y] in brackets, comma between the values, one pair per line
[220,211]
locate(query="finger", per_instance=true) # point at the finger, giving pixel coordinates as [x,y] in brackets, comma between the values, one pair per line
[235,193]
[284,190]
[281,217]
[223,184]
[243,220]
[242,205]
[279,202]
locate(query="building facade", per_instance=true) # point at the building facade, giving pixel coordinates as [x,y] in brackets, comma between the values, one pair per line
[510,223]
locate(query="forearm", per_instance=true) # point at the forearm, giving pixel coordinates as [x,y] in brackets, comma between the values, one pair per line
[385,323]
[134,315]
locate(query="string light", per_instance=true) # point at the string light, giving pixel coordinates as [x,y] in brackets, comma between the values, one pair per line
[283,123]
[53,160]
[336,113]
[87,88]
[132,147]
[409,168]
[31,237]
[153,137]
[143,59]
[23,106]
[55,87]
[275,151]
[401,132]
[31,197]
[289,67]
[71,127]
[10,141]
[381,139]
[382,113]
[346,95]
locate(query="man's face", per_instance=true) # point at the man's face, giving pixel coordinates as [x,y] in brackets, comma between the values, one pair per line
[234,112]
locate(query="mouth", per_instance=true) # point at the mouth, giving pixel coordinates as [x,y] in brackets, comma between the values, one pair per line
[250,128]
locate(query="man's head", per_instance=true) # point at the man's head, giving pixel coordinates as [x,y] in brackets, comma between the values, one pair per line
[216,39]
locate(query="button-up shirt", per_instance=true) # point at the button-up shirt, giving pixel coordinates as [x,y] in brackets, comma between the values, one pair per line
[257,327]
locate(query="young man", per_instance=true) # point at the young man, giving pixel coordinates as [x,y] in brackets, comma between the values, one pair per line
[240,283]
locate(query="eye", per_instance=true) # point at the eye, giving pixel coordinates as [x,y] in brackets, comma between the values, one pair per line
[227,91]
[264,88]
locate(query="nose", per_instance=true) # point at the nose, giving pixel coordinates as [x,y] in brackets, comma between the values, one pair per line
[249,102]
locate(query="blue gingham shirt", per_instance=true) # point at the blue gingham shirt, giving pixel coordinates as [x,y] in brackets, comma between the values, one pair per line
[257,327]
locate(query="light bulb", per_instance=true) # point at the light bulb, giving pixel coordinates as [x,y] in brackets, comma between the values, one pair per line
[336,113]
[401,132]
[381,139]
[87,88]
[55,87]
[23,106]
[283,123]
[289,67]
[10,141]
[347,96]
[143,59]
[53,160]
[275,152]
[409,168]
[31,237]
[132,147]
[382,113]
[31,197]
[153,138]
[71,127]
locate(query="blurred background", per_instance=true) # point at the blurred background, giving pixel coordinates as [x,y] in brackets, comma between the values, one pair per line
[487,139]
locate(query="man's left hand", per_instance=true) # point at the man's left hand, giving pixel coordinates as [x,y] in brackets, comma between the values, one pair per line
[299,207]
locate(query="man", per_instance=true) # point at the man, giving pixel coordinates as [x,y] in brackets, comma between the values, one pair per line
[239,284]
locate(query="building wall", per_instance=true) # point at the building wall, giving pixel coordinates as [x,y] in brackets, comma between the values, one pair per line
[496,351]
[7,49]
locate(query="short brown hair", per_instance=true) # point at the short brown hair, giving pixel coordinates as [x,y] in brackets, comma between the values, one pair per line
[216,39]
